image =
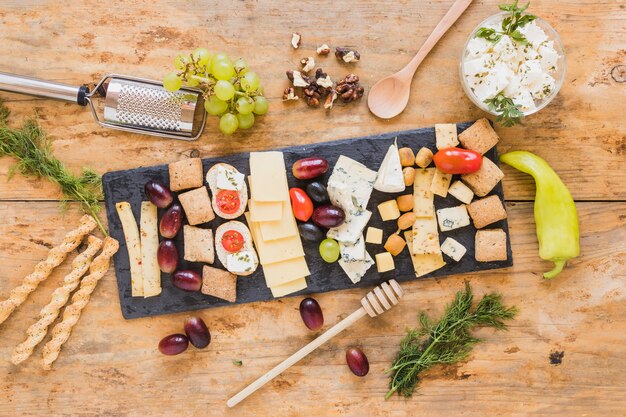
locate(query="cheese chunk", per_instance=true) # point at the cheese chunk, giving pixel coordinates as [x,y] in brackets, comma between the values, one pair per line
[453,218]
[240,262]
[356,270]
[425,236]
[228,179]
[354,179]
[353,253]
[422,196]
[423,264]
[280,273]
[133,246]
[282,228]
[288,288]
[441,183]
[390,178]
[374,235]
[453,249]
[461,192]
[268,177]
[389,210]
[149,247]
[445,135]
[384,262]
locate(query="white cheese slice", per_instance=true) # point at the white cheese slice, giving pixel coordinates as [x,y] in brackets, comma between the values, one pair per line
[390,178]
[352,227]
[149,247]
[445,135]
[133,246]
[453,249]
[353,253]
[423,263]
[356,270]
[461,192]
[422,195]
[453,218]
[240,262]
[228,179]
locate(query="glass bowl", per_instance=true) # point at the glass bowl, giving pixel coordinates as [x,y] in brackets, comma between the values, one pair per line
[558,74]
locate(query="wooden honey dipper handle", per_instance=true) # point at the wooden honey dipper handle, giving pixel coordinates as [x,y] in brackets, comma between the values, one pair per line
[376,302]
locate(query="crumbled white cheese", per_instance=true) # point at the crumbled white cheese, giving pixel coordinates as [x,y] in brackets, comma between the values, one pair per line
[534,34]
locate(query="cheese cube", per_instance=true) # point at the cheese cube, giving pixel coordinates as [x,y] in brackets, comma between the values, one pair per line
[453,249]
[440,183]
[384,262]
[453,218]
[461,192]
[389,210]
[374,235]
[446,135]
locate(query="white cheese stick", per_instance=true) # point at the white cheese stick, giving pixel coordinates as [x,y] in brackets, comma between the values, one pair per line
[133,246]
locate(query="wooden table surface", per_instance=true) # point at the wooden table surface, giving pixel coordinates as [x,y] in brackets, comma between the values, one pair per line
[111,367]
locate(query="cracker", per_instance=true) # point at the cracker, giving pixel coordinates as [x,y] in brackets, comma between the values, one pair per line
[490,245]
[479,137]
[198,244]
[186,174]
[482,181]
[219,283]
[197,206]
[486,211]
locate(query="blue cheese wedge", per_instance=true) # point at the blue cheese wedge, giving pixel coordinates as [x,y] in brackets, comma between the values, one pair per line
[453,249]
[390,178]
[355,179]
[352,227]
[356,270]
[353,253]
[228,179]
[453,218]
[241,262]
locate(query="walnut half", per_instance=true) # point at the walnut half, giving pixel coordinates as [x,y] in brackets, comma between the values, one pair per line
[296,40]
[347,55]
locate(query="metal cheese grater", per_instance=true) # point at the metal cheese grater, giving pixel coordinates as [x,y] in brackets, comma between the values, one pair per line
[131,104]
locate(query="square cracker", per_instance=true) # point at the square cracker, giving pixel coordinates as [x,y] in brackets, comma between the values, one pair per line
[479,137]
[490,245]
[219,283]
[198,244]
[186,174]
[482,181]
[486,211]
[197,206]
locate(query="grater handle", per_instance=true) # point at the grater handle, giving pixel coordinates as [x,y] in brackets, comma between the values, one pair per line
[34,87]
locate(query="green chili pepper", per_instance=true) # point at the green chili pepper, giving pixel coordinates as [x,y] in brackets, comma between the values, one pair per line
[555,211]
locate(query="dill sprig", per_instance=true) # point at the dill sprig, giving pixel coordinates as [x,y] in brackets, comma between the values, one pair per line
[32,149]
[509,113]
[447,341]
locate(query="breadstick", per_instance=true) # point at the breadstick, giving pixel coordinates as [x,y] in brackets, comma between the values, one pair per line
[49,313]
[43,269]
[61,332]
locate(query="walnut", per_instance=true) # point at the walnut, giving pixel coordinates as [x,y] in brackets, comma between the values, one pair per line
[307,64]
[325,82]
[349,89]
[297,79]
[290,94]
[347,55]
[330,100]
[323,50]
[296,40]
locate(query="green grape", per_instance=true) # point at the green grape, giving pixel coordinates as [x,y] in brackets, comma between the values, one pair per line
[244,105]
[172,82]
[224,90]
[329,250]
[202,56]
[180,62]
[245,120]
[241,67]
[261,105]
[250,81]
[192,81]
[229,123]
[220,56]
[222,69]
[214,106]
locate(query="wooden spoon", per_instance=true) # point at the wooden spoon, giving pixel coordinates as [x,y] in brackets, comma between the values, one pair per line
[389,96]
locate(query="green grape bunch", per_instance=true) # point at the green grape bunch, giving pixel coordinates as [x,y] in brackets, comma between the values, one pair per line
[230,90]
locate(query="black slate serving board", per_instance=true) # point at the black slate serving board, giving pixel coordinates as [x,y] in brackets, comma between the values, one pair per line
[128,186]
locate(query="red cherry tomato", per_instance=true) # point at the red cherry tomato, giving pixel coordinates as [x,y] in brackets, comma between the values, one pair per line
[458,161]
[301,204]
[232,241]
[228,201]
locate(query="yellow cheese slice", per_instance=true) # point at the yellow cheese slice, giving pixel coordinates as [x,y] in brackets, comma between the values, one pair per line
[288,288]
[265,211]
[149,247]
[275,250]
[133,246]
[280,273]
[423,264]
[422,196]
[425,236]
[282,228]
[268,177]
[441,183]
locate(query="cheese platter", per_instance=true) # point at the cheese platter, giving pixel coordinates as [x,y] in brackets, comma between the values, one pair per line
[363,179]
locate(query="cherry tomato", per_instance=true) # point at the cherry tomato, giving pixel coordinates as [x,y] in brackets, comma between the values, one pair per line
[301,204]
[232,241]
[458,161]
[228,201]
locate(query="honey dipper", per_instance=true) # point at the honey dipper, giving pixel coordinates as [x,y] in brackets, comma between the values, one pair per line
[376,302]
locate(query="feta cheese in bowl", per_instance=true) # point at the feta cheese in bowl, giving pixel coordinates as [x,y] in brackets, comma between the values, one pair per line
[512,73]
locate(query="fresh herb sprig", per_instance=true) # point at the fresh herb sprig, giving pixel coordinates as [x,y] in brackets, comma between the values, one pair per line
[447,341]
[509,113]
[32,149]
[510,24]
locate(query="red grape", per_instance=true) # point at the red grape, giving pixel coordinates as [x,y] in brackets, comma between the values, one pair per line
[311,313]
[308,168]
[158,194]
[173,344]
[328,216]
[171,221]
[357,361]
[167,256]
[197,332]
[187,280]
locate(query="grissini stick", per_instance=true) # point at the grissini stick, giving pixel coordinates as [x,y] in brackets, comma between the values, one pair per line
[376,302]
[43,269]
[61,332]
[59,298]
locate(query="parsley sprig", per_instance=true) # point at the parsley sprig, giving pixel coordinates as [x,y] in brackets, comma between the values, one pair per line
[510,24]
[509,113]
